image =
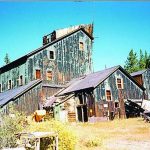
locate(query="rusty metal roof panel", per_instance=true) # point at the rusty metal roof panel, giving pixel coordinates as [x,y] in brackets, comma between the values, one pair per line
[12,94]
[88,81]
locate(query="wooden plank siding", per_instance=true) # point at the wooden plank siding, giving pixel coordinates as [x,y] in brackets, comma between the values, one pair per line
[56,63]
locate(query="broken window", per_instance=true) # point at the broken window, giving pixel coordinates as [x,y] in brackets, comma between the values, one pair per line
[108,94]
[119,83]
[9,84]
[49,75]
[0,88]
[21,80]
[116,104]
[81,46]
[51,54]
[38,74]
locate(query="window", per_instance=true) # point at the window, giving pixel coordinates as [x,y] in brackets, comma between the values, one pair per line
[116,104]
[51,54]
[0,88]
[21,80]
[9,84]
[81,46]
[38,74]
[49,75]
[119,83]
[108,94]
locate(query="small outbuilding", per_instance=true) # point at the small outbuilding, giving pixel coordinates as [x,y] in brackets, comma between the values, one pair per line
[101,95]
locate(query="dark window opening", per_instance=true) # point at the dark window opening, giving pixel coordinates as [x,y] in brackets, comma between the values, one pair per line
[0,88]
[116,104]
[21,80]
[51,54]
[108,95]
[38,74]
[9,84]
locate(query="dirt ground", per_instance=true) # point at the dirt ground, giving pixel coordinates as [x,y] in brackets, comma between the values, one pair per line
[126,134]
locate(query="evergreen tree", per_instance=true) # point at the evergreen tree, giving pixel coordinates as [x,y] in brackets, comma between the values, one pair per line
[148,62]
[142,61]
[131,64]
[6,59]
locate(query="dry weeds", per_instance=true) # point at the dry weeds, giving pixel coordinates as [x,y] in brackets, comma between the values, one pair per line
[125,134]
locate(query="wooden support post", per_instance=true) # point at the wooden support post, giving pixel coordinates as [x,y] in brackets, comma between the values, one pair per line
[56,142]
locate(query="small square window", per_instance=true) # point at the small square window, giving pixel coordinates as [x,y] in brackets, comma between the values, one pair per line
[51,54]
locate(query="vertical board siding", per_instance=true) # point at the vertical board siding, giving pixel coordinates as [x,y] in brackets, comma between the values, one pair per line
[130,91]
[146,82]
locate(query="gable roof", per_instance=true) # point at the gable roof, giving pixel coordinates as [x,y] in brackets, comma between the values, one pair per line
[92,80]
[138,73]
[10,95]
[23,59]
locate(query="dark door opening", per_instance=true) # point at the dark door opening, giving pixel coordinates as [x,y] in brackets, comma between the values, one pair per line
[82,113]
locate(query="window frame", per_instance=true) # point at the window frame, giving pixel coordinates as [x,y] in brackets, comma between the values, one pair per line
[9,84]
[119,84]
[1,88]
[81,43]
[108,95]
[36,74]
[47,75]
[20,83]
[49,55]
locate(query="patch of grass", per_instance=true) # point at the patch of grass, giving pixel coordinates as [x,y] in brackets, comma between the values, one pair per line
[93,142]
[98,136]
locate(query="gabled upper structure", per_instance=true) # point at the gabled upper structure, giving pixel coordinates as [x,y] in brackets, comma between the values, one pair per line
[143,78]
[65,56]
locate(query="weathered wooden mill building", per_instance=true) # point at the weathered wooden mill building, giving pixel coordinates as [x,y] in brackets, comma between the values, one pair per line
[65,54]
[100,95]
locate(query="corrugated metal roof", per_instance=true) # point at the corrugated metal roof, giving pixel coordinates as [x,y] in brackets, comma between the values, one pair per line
[9,95]
[53,85]
[88,81]
[138,73]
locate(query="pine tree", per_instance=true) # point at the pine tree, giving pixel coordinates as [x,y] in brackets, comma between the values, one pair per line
[148,62]
[131,64]
[6,59]
[141,62]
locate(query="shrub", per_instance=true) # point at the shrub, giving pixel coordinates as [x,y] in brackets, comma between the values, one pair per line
[93,142]
[9,126]
[67,138]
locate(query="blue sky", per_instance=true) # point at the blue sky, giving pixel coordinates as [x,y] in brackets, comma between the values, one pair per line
[118,27]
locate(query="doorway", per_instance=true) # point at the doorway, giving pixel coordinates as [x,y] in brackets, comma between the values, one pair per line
[82,113]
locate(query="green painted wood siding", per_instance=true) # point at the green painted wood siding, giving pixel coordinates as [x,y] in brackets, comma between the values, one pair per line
[69,62]
[14,75]
[130,90]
